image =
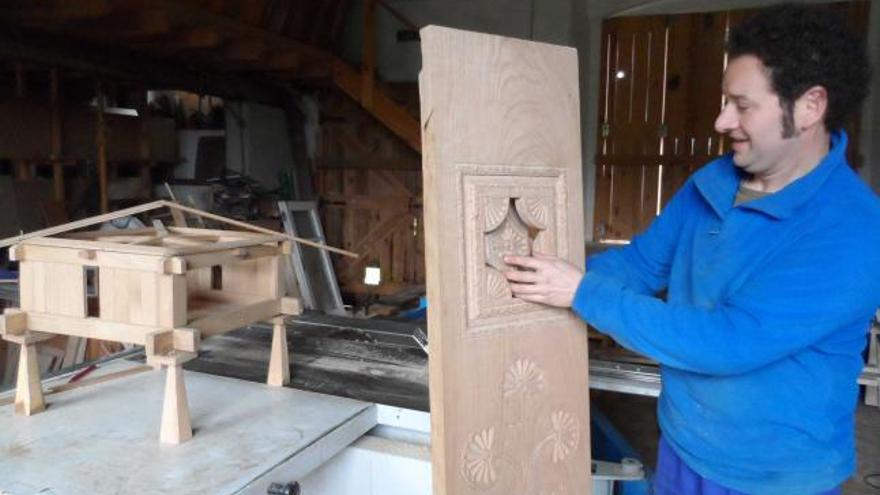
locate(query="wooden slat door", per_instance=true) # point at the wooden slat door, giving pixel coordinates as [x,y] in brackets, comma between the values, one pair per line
[502,174]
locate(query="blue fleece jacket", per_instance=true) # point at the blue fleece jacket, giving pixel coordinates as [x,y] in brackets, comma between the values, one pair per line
[761,333]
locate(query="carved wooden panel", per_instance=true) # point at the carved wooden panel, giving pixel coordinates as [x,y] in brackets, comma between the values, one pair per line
[508,210]
[502,170]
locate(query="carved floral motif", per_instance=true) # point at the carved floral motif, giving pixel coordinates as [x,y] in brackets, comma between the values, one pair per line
[511,237]
[494,212]
[478,465]
[564,435]
[534,212]
[543,458]
[496,284]
[523,377]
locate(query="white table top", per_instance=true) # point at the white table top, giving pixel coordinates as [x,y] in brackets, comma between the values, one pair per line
[104,439]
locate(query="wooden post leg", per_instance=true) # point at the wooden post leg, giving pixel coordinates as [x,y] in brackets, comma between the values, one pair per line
[279,361]
[175,409]
[28,390]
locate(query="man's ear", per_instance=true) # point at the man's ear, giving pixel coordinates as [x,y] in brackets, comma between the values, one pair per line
[810,108]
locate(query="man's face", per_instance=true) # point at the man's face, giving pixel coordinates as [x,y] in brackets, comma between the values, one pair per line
[752,118]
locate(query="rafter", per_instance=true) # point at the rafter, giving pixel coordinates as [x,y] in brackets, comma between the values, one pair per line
[30,11]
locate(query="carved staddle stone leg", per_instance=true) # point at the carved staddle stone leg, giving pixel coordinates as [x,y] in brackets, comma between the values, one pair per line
[279,361]
[29,390]
[175,410]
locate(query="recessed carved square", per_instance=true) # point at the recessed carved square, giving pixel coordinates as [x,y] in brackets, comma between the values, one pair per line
[508,232]
[507,210]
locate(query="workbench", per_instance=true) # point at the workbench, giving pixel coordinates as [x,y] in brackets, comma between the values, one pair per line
[101,439]
[245,436]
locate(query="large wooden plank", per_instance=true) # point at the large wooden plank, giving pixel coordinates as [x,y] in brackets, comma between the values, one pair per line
[34,252]
[91,328]
[508,379]
[222,318]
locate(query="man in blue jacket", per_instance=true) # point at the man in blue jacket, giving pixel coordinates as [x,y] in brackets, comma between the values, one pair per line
[770,258]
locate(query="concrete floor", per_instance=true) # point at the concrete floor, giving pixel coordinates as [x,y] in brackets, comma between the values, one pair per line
[636,418]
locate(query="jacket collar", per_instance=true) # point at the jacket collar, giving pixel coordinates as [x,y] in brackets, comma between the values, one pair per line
[719,181]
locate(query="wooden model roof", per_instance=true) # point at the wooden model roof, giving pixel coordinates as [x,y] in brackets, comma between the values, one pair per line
[158,240]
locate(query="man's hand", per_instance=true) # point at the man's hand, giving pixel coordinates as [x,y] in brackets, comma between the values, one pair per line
[545,279]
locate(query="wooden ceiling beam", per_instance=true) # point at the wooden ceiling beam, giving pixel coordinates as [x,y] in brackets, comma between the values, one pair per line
[252,11]
[56,11]
[166,32]
[275,16]
[285,60]
[129,24]
[199,37]
[181,40]
[338,19]
[234,28]
[115,62]
[321,22]
[312,75]
[245,50]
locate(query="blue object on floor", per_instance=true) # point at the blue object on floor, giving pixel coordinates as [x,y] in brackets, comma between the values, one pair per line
[418,313]
[607,444]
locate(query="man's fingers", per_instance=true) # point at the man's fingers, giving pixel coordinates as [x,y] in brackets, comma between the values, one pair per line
[545,256]
[518,276]
[523,261]
[532,298]
[527,289]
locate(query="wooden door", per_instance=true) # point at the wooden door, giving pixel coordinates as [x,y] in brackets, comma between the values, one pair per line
[502,174]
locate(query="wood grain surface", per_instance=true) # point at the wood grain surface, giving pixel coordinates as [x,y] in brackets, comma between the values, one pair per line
[502,173]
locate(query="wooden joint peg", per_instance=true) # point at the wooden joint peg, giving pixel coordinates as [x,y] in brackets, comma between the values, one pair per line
[279,360]
[28,391]
[16,253]
[176,426]
[13,321]
[291,306]
[175,265]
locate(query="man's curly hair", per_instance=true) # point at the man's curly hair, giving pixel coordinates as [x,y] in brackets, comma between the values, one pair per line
[803,47]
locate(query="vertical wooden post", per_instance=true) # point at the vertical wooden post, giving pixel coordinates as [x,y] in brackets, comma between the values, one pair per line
[28,390]
[279,361]
[368,62]
[22,168]
[55,139]
[145,151]
[101,144]
[176,426]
